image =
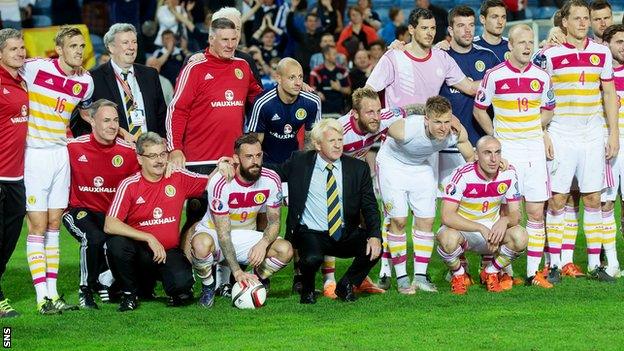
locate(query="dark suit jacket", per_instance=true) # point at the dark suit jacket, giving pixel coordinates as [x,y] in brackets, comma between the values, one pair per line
[106,88]
[357,192]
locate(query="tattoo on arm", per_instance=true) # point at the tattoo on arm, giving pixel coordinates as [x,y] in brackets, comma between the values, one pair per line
[414,109]
[222,222]
[273,224]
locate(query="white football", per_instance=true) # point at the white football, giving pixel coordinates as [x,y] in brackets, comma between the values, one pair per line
[248,296]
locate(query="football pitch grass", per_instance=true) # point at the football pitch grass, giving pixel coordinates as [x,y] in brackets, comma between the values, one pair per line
[576,315]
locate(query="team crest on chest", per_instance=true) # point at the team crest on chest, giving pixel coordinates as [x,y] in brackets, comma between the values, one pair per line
[480,66]
[594,59]
[259,198]
[535,85]
[77,88]
[502,188]
[117,161]
[170,190]
[238,73]
[507,54]
[301,114]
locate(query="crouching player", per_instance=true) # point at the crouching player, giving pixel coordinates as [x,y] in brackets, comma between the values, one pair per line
[472,218]
[228,230]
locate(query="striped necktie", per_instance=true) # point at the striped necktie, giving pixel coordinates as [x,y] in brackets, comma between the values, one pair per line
[334,222]
[129,105]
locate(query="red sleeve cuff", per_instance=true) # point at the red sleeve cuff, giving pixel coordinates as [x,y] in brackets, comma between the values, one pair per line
[479,106]
[450,200]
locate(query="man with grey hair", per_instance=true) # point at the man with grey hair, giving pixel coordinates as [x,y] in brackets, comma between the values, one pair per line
[13,129]
[143,225]
[135,88]
[98,162]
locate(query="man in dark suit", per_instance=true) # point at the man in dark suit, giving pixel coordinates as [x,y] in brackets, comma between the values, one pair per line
[328,194]
[133,87]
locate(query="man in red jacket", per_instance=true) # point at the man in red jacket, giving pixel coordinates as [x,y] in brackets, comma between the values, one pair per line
[206,114]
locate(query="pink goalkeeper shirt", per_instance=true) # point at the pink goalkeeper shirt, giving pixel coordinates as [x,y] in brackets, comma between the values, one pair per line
[410,80]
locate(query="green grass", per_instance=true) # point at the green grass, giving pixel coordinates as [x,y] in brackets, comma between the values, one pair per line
[576,315]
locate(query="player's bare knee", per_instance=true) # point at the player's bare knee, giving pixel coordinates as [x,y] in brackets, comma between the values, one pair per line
[202,245]
[535,213]
[397,224]
[608,206]
[591,200]
[282,250]
[423,224]
[448,239]
[517,238]
[557,202]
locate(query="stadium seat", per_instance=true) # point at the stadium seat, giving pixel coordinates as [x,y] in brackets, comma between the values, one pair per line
[545,12]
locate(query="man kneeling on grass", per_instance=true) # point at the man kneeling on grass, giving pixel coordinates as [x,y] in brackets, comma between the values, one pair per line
[144,226]
[474,218]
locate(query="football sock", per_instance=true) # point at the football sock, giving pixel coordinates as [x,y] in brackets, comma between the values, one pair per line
[397,243]
[452,259]
[554,233]
[328,269]
[35,251]
[501,260]
[386,267]
[203,268]
[592,226]
[535,246]
[52,261]
[608,238]
[223,273]
[423,245]
[570,230]
[271,265]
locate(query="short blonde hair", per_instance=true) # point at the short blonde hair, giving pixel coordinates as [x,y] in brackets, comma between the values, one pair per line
[66,32]
[324,125]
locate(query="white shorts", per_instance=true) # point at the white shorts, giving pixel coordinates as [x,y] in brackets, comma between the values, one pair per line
[447,162]
[613,178]
[242,240]
[475,242]
[46,178]
[577,158]
[533,180]
[412,187]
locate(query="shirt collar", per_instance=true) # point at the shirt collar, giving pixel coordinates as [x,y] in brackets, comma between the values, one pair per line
[322,164]
[4,74]
[118,69]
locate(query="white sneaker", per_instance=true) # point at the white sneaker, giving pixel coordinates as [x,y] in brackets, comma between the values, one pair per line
[614,271]
[422,282]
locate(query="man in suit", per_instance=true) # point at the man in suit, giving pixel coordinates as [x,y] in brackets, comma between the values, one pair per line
[133,87]
[328,194]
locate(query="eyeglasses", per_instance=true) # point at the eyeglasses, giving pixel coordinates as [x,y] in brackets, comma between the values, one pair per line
[152,157]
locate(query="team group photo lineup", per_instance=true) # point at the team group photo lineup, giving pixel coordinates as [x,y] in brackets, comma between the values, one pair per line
[210,144]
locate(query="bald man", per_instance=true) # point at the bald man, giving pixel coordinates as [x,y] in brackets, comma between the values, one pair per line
[278,113]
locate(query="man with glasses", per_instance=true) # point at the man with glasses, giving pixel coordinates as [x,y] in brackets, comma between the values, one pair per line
[143,222]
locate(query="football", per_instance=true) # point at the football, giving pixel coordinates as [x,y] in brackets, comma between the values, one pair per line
[248,296]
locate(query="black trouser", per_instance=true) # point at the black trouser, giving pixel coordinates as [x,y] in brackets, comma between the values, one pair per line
[133,267]
[196,206]
[12,212]
[88,228]
[313,245]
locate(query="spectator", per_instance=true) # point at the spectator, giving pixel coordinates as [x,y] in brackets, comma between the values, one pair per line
[308,41]
[167,20]
[370,17]
[104,58]
[377,49]
[516,9]
[402,33]
[361,69]
[331,81]
[265,38]
[167,87]
[330,17]
[440,14]
[275,13]
[169,58]
[356,33]
[389,31]
[197,33]
[317,59]
[10,12]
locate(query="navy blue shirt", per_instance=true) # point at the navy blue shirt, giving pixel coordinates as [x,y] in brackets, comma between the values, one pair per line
[474,64]
[280,122]
[501,50]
